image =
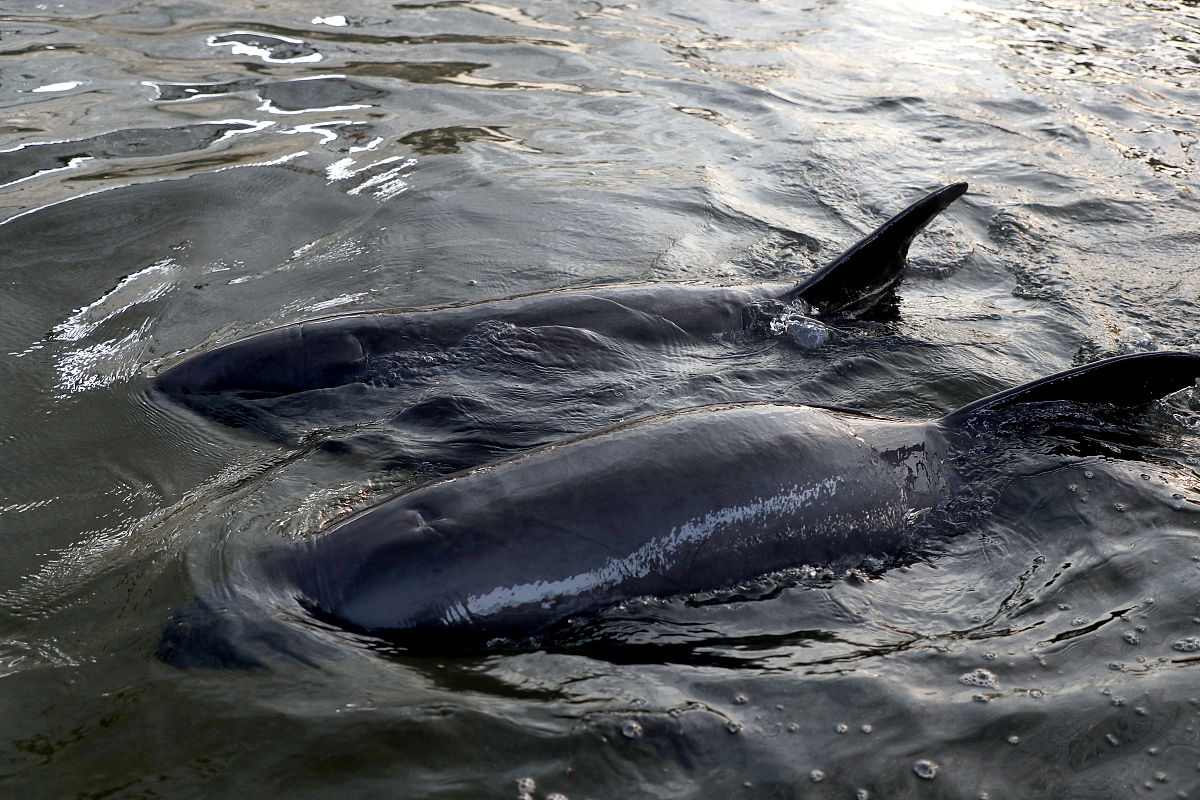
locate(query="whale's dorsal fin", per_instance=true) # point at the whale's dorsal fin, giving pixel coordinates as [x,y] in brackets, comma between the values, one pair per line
[1124,381]
[865,275]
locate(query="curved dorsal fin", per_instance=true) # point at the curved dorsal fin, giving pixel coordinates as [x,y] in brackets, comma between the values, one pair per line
[1124,381]
[865,274]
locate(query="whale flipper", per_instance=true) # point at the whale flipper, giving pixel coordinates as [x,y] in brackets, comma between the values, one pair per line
[1124,381]
[865,275]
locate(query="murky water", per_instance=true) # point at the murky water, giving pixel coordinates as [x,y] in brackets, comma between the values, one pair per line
[177,176]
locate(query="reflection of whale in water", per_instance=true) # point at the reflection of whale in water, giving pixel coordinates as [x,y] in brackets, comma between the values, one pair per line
[688,501]
[395,367]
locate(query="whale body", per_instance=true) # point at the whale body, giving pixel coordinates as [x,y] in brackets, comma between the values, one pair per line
[688,501]
[369,367]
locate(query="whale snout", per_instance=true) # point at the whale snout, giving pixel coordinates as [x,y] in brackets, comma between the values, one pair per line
[293,359]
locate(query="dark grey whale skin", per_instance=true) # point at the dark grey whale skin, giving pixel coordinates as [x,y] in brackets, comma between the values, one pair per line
[687,501]
[338,350]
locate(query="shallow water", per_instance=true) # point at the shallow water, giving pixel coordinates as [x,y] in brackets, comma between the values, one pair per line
[174,177]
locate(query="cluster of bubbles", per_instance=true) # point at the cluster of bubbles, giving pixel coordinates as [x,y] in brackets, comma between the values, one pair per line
[984,679]
[792,321]
[1188,644]
[526,786]
[818,775]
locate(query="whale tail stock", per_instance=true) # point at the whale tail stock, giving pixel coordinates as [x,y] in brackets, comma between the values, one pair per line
[863,276]
[1123,381]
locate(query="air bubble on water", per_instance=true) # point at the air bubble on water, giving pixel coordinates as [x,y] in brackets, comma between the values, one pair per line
[1014,739]
[982,678]
[990,656]
[1151,751]
[1141,711]
[631,729]
[806,332]
[1161,777]
[1072,487]
[556,796]
[793,727]
[525,787]
[1132,638]
[1113,740]
[866,728]
[980,698]
[842,727]
[1133,339]
[1118,701]
[816,775]
[1077,621]
[1087,473]
[926,769]
[1119,506]
[733,727]
[862,794]
[1188,644]
[740,699]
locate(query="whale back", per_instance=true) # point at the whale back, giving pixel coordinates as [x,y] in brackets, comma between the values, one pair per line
[684,502]
[339,350]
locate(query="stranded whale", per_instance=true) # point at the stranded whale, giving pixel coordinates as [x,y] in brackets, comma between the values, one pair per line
[398,369]
[683,502]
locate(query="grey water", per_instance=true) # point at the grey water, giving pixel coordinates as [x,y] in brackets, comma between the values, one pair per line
[176,176]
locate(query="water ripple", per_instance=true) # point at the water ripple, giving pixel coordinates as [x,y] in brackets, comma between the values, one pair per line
[175,176]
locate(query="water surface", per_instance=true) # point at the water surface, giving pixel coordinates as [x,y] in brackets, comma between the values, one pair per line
[177,176]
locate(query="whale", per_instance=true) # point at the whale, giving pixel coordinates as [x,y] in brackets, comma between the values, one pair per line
[502,554]
[338,371]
